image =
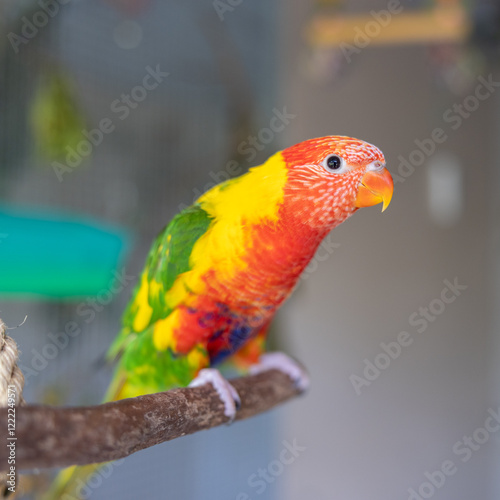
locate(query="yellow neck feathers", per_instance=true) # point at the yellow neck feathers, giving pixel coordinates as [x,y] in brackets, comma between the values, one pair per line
[253,197]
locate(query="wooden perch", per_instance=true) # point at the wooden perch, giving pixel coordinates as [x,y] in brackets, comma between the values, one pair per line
[55,437]
[437,25]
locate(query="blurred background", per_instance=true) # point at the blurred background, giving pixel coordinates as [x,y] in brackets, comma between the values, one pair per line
[116,114]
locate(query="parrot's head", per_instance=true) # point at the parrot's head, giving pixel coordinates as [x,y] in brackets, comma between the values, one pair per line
[329,178]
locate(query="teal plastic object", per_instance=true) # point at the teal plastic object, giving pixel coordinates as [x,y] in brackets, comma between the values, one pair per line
[56,255]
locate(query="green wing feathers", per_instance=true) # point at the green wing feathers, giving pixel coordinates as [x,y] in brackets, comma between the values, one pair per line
[142,368]
[168,257]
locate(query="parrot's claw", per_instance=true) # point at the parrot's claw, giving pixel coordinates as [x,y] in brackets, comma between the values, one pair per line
[280,361]
[225,390]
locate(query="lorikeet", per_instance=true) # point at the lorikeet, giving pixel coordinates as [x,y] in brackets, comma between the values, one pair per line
[216,275]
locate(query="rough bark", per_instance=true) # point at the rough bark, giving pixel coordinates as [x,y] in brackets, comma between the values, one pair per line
[50,437]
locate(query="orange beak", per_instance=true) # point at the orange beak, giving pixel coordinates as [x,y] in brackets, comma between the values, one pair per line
[375,187]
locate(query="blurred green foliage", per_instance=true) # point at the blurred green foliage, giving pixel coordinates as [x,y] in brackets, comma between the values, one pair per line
[56,119]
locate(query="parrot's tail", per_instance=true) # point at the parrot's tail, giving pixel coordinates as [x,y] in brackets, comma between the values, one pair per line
[75,482]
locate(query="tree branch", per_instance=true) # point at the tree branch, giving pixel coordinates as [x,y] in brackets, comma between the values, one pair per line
[50,437]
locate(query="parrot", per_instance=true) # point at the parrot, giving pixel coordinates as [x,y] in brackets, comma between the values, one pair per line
[218,272]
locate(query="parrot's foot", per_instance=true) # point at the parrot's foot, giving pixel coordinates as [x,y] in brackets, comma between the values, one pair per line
[280,361]
[224,389]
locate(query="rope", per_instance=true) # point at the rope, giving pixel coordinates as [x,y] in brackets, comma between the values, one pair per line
[10,375]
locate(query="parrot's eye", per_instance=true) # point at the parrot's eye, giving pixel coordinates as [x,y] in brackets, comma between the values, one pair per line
[333,163]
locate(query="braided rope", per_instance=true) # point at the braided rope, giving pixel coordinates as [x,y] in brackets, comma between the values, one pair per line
[10,375]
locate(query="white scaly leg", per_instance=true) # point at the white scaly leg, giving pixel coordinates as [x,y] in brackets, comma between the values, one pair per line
[280,361]
[225,390]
